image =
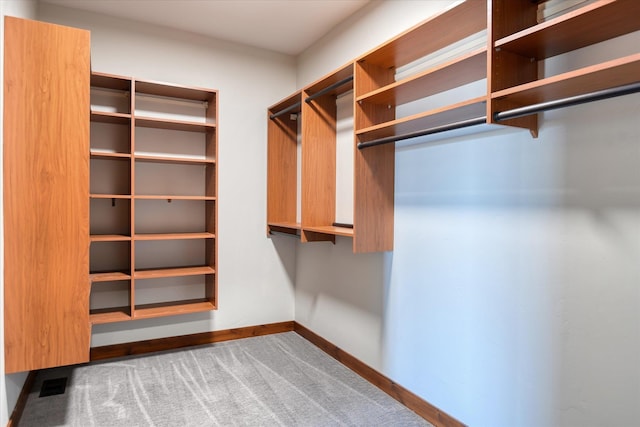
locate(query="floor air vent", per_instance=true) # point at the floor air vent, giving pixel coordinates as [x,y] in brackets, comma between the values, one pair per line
[53,387]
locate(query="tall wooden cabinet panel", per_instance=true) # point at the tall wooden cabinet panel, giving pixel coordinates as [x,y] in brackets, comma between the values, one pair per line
[282,162]
[46,182]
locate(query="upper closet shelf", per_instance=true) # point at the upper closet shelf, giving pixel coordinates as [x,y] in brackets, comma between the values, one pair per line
[596,22]
[110,117]
[170,124]
[465,69]
[445,28]
[597,77]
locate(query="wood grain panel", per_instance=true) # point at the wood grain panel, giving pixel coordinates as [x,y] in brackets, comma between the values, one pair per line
[393,389]
[437,32]
[282,166]
[46,187]
[319,161]
[373,199]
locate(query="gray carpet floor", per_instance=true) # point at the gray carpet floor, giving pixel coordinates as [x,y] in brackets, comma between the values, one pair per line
[273,380]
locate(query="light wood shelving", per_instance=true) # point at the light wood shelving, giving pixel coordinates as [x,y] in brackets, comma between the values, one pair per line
[509,59]
[519,43]
[319,119]
[192,110]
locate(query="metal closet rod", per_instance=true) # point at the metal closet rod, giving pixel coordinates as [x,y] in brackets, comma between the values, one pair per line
[567,102]
[424,132]
[312,97]
[329,89]
[514,113]
[286,110]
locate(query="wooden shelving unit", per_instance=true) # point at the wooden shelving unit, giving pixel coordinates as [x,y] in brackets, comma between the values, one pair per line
[508,58]
[319,118]
[519,43]
[150,178]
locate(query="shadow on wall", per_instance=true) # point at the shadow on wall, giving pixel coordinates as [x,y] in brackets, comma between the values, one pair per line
[340,296]
[512,296]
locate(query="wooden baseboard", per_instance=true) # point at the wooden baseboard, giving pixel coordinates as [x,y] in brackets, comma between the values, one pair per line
[421,407]
[402,395]
[173,343]
[14,419]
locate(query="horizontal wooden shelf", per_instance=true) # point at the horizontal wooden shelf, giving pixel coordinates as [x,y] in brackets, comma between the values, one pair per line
[109,315]
[110,81]
[606,75]
[110,196]
[330,229]
[170,90]
[112,276]
[109,238]
[106,155]
[174,236]
[593,23]
[451,74]
[169,159]
[172,308]
[173,272]
[292,225]
[465,110]
[450,26]
[172,197]
[170,124]
[110,117]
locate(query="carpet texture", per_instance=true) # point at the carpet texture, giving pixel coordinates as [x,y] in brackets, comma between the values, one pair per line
[273,380]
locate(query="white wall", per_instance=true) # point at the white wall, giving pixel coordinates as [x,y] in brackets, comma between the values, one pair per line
[10,385]
[511,297]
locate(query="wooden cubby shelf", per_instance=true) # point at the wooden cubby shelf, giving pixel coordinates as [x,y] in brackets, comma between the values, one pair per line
[109,315]
[178,160]
[109,238]
[110,117]
[139,150]
[501,41]
[157,123]
[174,236]
[110,196]
[173,272]
[113,276]
[173,308]
[172,197]
[109,155]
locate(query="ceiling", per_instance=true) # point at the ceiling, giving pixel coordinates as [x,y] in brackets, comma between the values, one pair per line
[286,26]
